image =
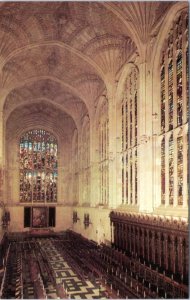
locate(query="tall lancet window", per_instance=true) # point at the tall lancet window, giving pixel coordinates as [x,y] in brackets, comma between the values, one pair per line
[85,162]
[179,89]
[75,169]
[163,98]
[163,170]
[180,169]
[38,166]
[129,135]
[103,131]
[170,94]
[174,107]
[171,170]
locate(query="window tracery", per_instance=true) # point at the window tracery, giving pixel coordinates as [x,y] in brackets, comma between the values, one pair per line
[104,154]
[75,167]
[85,162]
[163,171]
[180,169]
[38,167]
[174,81]
[171,170]
[129,139]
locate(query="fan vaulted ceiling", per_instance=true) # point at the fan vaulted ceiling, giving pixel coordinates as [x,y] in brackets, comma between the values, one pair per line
[63,54]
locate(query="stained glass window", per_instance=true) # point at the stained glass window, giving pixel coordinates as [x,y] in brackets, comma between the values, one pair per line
[136,157]
[123,180]
[174,100]
[126,182]
[174,92]
[131,178]
[131,120]
[179,89]
[130,138]
[171,170]
[104,153]
[135,118]
[122,126]
[38,167]
[126,124]
[75,167]
[180,169]
[163,100]
[170,94]
[163,171]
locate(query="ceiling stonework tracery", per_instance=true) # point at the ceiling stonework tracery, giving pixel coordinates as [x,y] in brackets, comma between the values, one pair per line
[41,113]
[68,51]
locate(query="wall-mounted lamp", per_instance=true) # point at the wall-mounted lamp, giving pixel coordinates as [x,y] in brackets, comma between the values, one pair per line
[155,116]
[5,217]
[75,217]
[87,221]
[144,139]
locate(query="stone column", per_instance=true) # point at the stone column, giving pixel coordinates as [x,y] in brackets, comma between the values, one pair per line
[94,167]
[112,145]
[145,162]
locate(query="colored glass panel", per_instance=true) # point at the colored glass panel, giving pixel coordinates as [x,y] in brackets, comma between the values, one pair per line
[163,186]
[180,169]
[171,170]
[170,94]
[126,125]
[179,89]
[131,179]
[38,153]
[136,185]
[126,180]
[163,99]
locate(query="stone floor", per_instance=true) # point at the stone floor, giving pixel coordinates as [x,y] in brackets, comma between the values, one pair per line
[67,283]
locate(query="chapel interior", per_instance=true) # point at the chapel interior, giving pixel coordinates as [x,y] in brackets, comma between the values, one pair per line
[94,173]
